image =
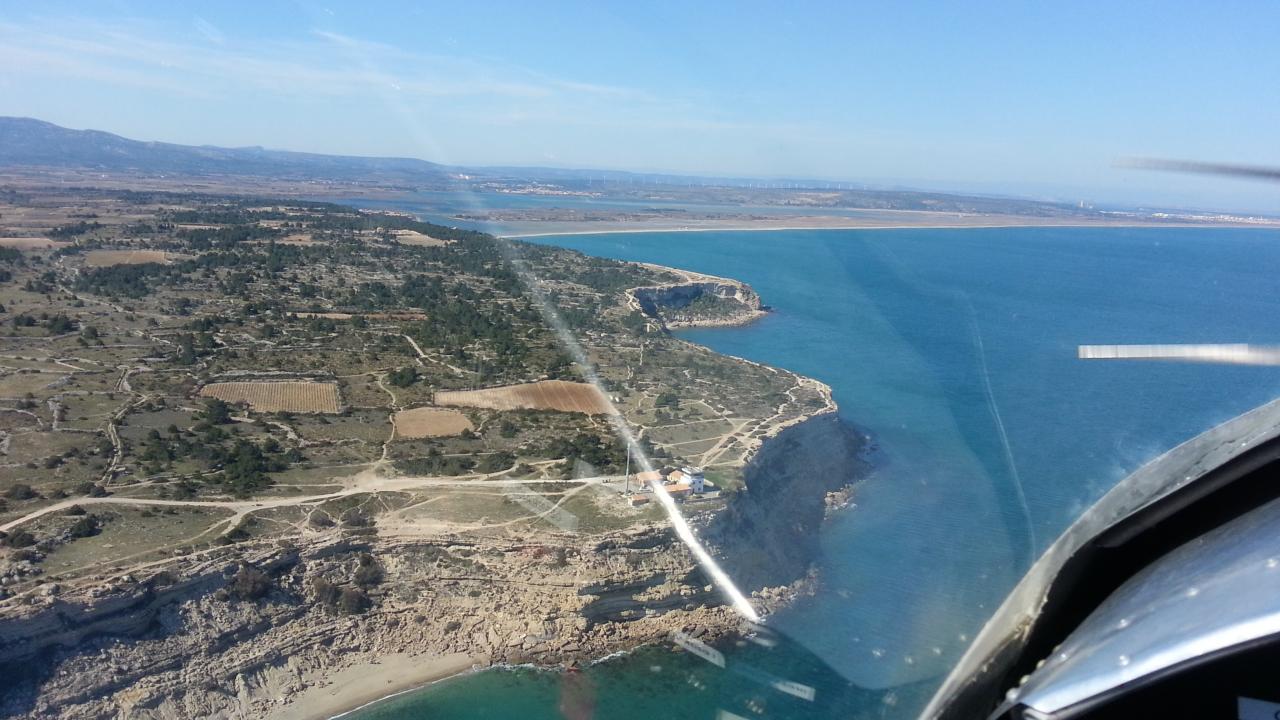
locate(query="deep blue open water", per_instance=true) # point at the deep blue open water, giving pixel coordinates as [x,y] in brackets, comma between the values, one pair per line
[956,351]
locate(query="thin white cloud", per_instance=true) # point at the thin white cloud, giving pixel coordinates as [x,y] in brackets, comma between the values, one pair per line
[209,31]
[438,99]
[18,61]
[134,56]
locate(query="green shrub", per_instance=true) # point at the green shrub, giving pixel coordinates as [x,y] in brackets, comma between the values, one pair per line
[250,583]
[20,491]
[369,573]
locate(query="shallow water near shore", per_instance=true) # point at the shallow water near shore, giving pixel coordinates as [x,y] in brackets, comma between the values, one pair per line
[956,351]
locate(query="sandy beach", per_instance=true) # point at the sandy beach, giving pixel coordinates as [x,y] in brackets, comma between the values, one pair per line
[1023,223]
[361,684]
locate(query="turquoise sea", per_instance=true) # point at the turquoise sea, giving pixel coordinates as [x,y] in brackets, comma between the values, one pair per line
[955,350]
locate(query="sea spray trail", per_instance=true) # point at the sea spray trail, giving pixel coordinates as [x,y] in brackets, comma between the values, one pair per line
[965,300]
[939,534]
[1004,433]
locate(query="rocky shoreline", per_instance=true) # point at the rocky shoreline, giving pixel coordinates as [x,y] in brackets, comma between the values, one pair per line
[666,304]
[189,651]
[185,650]
[180,642]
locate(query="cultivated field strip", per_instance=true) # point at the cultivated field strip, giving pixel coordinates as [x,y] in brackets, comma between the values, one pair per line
[28,243]
[370,316]
[285,396]
[104,258]
[430,422]
[410,237]
[544,395]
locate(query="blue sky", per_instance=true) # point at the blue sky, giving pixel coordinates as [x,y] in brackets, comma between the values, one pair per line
[1012,97]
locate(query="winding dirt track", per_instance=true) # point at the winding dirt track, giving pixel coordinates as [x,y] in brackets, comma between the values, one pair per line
[366,482]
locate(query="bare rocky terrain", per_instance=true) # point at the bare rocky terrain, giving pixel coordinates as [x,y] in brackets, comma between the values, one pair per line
[166,553]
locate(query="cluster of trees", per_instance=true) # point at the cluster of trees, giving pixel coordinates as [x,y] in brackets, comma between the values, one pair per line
[85,525]
[209,323]
[218,215]
[601,452]
[636,322]
[192,346]
[58,324]
[711,305]
[20,491]
[17,539]
[157,448]
[459,318]
[606,276]
[219,248]
[320,325]
[92,489]
[600,274]
[9,258]
[129,281]
[66,232]
[436,464]
[403,377]
[215,412]
[244,466]
[338,218]
[42,285]
[495,462]
[226,237]
[493,320]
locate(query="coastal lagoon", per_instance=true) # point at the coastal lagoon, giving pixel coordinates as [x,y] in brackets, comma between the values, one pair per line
[955,351]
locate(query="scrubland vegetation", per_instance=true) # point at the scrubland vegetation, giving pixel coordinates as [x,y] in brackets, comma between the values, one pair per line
[183,373]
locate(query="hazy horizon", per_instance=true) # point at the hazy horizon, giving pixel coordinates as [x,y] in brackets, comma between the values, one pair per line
[1000,100]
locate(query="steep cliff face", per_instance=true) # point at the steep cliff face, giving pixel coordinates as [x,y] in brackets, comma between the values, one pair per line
[183,651]
[768,536]
[174,649]
[701,301]
[68,623]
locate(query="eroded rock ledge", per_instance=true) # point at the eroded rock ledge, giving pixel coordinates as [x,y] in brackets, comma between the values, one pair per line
[697,300]
[187,650]
[159,648]
[172,642]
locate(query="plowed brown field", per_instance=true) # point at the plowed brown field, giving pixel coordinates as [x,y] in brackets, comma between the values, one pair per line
[302,397]
[103,258]
[545,395]
[430,422]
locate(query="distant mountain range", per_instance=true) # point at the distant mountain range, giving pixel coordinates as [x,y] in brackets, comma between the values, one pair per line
[35,143]
[30,142]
